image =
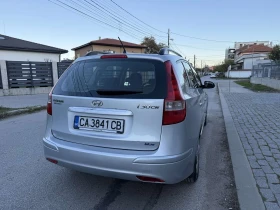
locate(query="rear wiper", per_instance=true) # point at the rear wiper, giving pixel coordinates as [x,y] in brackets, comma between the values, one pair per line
[117,92]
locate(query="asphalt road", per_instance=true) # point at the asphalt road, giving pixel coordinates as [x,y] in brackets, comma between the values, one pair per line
[28,181]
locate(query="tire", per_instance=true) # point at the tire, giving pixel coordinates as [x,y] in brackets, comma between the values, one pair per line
[194,176]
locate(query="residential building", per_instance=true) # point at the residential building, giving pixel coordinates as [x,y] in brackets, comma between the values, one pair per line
[13,49]
[105,45]
[238,45]
[230,52]
[249,55]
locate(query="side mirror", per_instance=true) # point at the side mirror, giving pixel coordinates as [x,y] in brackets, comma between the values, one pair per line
[208,84]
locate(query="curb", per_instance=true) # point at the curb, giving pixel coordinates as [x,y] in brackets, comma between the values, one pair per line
[22,111]
[247,191]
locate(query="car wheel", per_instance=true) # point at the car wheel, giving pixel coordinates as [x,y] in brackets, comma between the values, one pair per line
[194,176]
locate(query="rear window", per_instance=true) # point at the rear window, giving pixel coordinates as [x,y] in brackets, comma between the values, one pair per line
[120,78]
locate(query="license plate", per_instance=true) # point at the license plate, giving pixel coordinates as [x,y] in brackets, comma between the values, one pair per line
[99,124]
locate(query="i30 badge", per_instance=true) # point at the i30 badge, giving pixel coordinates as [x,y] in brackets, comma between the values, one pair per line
[97,103]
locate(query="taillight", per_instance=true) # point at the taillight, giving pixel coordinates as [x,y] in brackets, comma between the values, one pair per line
[49,105]
[113,56]
[174,104]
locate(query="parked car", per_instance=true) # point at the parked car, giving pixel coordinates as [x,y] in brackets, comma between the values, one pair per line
[130,116]
[212,75]
[220,74]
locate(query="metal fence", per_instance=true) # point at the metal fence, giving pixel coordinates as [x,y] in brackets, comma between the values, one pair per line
[267,70]
[62,66]
[29,74]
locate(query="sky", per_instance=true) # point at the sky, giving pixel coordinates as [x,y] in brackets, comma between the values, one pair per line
[224,21]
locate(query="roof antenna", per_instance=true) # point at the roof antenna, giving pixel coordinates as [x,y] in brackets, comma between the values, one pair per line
[124,51]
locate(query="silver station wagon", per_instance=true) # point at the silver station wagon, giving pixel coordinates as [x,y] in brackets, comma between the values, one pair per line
[129,116]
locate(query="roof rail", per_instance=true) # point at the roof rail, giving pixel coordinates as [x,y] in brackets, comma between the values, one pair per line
[96,53]
[166,50]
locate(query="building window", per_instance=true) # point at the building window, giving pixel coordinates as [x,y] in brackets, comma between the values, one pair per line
[109,51]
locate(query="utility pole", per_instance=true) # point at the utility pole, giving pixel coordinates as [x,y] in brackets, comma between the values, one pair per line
[194,61]
[168,37]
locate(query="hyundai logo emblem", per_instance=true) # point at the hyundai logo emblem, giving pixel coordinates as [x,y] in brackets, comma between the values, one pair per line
[97,103]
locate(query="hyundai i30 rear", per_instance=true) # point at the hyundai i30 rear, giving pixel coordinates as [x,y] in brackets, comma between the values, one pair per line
[122,116]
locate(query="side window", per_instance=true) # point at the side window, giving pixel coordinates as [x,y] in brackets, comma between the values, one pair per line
[183,80]
[197,78]
[191,75]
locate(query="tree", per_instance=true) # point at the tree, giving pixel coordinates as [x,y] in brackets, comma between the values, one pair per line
[224,66]
[161,45]
[152,46]
[275,53]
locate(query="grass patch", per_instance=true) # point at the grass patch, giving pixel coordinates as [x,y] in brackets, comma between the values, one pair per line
[255,87]
[7,112]
[5,109]
[226,78]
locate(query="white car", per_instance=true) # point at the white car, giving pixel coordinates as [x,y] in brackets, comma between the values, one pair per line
[212,75]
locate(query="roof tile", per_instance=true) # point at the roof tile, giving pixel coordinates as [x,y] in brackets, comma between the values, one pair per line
[110,42]
[254,48]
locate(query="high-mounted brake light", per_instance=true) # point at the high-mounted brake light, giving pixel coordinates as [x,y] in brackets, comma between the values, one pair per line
[174,104]
[113,56]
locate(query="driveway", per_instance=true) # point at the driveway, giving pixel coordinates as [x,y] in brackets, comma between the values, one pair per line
[28,181]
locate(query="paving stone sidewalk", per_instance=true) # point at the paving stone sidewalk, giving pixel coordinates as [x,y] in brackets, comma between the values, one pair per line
[257,120]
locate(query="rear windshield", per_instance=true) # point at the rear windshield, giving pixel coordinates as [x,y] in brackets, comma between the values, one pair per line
[120,78]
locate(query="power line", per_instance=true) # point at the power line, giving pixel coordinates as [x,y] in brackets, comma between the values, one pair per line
[208,56]
[142,27]
[192,37]
[198,47]
[137,18]
[173,43]
[173,48]
[102,16]
[113,16]
[86,16]
[118,11]
[211,55]
[129,29]
[89,16]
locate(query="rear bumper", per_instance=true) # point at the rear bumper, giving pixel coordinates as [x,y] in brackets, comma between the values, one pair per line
[121,164]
